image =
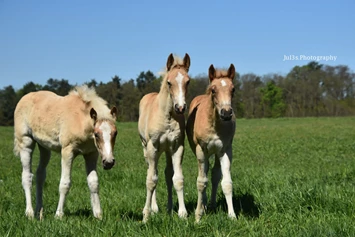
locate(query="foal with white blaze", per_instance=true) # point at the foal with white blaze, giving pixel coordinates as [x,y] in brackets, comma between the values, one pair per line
[79,123]
[210,130]
[161,128]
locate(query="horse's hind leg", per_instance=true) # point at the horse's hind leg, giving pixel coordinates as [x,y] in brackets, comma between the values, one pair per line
[41,177]
[27,145]
[93,183]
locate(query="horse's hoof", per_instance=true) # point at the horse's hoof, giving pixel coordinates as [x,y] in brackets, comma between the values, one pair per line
[182,214]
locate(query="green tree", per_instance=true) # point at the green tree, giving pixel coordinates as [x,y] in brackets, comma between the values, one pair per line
[27,88]
[272,101]
[8,101]
[60,87]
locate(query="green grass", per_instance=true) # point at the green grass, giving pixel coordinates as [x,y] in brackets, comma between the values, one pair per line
[292,177]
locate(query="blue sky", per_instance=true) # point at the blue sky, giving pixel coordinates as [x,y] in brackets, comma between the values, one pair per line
[84,40]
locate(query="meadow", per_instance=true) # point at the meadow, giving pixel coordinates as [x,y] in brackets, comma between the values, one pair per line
[291,177]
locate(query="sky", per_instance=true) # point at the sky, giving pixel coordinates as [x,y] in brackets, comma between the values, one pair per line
[83,40]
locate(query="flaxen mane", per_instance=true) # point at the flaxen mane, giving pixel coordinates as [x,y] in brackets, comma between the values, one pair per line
[89,96]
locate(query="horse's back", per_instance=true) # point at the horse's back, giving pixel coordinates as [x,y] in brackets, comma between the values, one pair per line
[49,119]
[32,105]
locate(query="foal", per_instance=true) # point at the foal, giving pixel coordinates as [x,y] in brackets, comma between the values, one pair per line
[161,128]
[210,130]
[79,123]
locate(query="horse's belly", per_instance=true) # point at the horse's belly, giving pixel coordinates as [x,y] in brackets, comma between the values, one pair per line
[49,142]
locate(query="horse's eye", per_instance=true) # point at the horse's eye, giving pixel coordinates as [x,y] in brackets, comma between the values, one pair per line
[115,133]
[187,83]
[169,83]
[97,136]
[213,91]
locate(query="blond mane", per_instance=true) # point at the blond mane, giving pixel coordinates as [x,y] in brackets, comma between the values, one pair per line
[89,96]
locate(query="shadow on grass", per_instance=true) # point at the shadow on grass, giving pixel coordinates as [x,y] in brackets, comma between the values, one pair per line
[130,215]
[81,212]
[244,203]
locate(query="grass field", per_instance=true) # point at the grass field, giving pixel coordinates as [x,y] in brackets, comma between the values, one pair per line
[292,177]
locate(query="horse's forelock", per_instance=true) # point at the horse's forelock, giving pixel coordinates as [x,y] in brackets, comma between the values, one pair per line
[177,62]
[221,73]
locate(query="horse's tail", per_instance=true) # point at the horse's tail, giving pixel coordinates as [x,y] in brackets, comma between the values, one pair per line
[16,147]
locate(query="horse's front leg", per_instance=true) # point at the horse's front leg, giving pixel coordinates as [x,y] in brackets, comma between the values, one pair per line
[178,180]
[203,165]
[227,185]
[93,183]
[216,177]
[152,157]
[64,186]
[169,172]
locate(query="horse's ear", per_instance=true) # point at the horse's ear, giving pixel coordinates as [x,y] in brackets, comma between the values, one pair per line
[211,72]
[170,62]
[187,62]
[114,112]
[231,71]
[93,114]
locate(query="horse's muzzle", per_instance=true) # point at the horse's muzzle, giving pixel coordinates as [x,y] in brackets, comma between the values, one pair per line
[180,109]
[108,164]
[226,115]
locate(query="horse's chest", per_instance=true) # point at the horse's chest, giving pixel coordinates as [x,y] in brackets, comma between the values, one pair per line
[171,135]
[215,145]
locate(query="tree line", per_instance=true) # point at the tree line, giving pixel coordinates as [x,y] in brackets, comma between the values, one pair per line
[309,90]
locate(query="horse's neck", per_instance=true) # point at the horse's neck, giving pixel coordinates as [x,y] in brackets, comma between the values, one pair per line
[165,101]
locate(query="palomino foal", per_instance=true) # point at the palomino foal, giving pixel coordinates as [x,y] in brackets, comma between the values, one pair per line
[79,123]
[161,128]
[210,129]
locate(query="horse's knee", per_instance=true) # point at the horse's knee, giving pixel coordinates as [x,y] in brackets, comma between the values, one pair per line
[152,182]
[227,186]
[178,182]
[202,183]
[26,178]
[93,182]
[64,186]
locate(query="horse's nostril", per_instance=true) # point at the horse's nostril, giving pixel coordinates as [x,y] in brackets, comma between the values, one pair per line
[180,109]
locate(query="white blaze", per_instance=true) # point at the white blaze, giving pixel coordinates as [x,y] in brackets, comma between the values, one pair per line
[223,83]
[179,79]
[106,130]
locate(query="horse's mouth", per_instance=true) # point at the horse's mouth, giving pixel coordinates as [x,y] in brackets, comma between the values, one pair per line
[226,118]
